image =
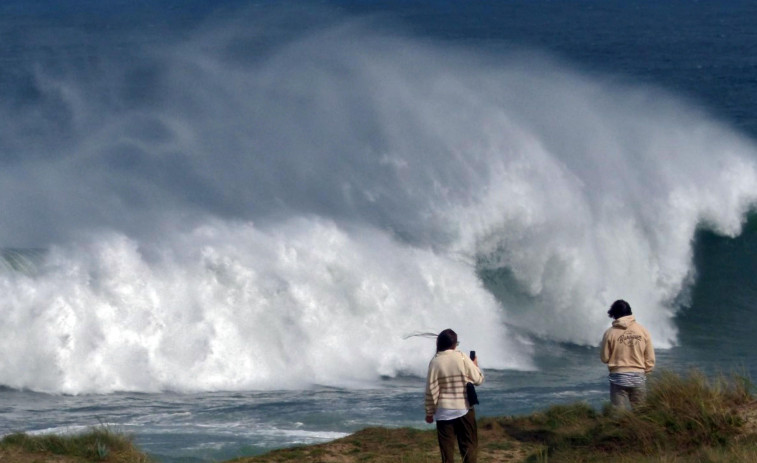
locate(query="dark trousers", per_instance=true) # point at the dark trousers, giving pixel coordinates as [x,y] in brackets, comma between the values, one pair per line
[464,431]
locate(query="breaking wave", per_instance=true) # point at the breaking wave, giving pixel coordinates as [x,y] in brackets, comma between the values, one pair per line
[236,211]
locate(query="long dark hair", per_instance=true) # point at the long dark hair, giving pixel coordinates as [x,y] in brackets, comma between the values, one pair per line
[447,339]
[619,308]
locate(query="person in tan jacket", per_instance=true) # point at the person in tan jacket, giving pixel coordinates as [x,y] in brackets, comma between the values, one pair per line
[628,352]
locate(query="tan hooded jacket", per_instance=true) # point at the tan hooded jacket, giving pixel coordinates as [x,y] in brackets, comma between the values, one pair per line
[627,347]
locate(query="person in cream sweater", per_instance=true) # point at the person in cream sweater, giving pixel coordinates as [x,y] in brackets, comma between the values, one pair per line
[447,401]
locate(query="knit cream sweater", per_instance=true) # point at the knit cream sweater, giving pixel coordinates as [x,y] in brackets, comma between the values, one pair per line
[448,373]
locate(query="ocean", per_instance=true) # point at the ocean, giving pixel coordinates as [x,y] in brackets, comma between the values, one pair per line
[227,225]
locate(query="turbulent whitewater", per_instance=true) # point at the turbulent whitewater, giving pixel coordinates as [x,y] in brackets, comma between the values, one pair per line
[237,210]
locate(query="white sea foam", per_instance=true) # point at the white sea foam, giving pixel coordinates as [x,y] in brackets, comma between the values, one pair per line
[284,218]
[228,306]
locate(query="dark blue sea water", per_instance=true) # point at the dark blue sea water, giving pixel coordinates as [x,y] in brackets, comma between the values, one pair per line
[224,222]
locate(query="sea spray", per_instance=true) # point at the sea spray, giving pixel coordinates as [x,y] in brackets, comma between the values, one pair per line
[281,214]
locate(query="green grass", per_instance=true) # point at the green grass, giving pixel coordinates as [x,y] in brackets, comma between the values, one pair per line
[685,418]
[98,445]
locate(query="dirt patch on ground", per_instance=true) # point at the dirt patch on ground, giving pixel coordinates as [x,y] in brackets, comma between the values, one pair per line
[748,413]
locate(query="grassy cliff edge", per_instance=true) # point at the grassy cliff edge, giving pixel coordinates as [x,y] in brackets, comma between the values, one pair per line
[689,418]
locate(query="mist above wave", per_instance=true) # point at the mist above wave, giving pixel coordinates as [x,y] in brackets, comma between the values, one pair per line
[251,209]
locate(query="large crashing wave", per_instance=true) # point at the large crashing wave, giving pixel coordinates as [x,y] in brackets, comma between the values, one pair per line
[231,213]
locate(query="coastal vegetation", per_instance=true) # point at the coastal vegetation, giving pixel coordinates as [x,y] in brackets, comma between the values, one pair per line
[686,418]
[97,445]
